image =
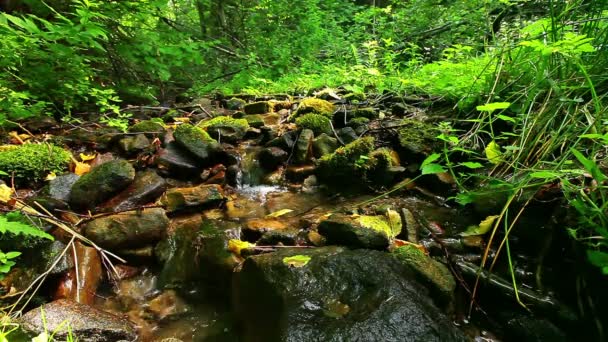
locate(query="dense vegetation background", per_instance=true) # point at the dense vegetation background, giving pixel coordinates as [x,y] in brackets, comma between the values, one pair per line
[522,84]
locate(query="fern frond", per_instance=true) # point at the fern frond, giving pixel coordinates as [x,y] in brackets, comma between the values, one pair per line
[19,228]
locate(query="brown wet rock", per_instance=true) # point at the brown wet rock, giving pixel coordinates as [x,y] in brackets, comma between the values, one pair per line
[86,323]
[299,173]
[80,283]
[168,304]
[270,158]
[205,195]
[255,228]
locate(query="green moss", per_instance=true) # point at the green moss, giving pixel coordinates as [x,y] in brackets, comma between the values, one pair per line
[240,124]
[347,165]
[430,271]
[418,137]
[377,223]
[148,127]
[315,122]
[34,161]
[189,133]
[358,122]
[254,120]
[314,105]
[235,104]
[368,112]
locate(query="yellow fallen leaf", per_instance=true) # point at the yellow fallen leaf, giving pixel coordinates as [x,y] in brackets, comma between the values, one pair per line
[493,153]
[87,157]
[185,120]
[279,213]
[82,168]
[50,176]
[484,227]
[5,193]
[296,260]
[236,246]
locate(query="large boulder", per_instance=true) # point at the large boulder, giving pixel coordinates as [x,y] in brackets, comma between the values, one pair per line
[85,323]
[333,294]
[101,183]
[130,229]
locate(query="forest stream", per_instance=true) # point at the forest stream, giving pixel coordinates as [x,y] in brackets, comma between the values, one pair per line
[222,220]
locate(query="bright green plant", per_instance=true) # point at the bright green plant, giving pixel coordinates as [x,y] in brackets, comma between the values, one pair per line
[33,161]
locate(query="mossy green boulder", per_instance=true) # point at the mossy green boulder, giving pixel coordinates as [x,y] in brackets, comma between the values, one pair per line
[431,273]
[32,162]
[418,137]
[317,123]
[235,103]
[196,141]
[372,232]
[255,120]
[225,128]
[314,105]
[346,166]
[101,183]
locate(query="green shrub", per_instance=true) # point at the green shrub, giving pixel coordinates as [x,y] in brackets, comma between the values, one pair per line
[317,123]
[34,161]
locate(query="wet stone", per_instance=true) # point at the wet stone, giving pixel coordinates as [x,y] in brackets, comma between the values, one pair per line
[146,188]
[270,158]
[86,323]
[101,183]
[205,195]
[177,162]
[60,187]
[129,229]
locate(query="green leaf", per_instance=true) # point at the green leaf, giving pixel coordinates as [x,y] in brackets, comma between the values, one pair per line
[493,153]
[506,118]
[433,157]
[590,166]
[296,260]
[545,175]
[483,227]
[471,165]
[432,168]
[599,259]
[490,107]
[12,255]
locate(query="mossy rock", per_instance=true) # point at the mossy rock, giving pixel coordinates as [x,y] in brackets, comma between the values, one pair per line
[196,141]
[32,162]
[317,123]
[431,273]
[418,137]
[148,127]
[367,112]
[101,183]
[371,232]
[314,105]
[235,104]
[347,165]
[204,195]
[379,169]
[254,120]
[324,145]
[261,107]
[225,128]
[354,97]
[358,122]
